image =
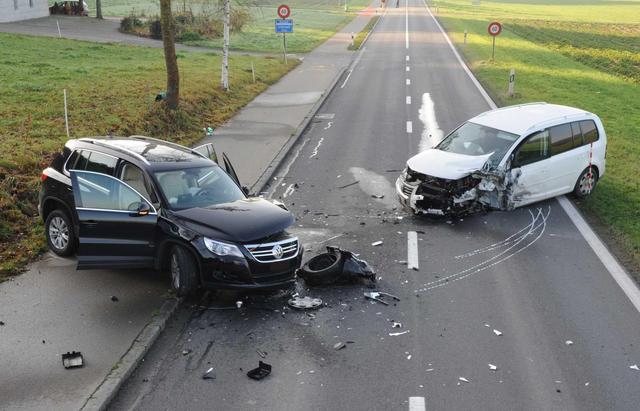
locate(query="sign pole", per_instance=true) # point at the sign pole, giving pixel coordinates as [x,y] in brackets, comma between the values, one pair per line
[493,50]
[284,47]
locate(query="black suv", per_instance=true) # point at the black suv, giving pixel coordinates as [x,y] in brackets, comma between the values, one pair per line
[143,202]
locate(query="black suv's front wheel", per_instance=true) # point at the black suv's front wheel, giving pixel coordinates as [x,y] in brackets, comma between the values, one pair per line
[60,235]
[184,271]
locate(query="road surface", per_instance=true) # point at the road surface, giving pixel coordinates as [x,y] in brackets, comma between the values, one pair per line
[521,291]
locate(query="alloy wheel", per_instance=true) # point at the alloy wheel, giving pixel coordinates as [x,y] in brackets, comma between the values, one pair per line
[175,272]
[59,233]
[586,183]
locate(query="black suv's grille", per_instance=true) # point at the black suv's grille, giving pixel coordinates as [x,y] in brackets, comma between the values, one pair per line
[276,251]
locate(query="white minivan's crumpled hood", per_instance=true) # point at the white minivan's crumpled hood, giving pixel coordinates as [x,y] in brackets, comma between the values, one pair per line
[443,164]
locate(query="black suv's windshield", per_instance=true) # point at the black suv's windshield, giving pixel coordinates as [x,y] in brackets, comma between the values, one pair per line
[197,187]
[477,140]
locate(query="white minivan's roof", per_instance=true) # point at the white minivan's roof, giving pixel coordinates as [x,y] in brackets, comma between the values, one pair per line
[518,119]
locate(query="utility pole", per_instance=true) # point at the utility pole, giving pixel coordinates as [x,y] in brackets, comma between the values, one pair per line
[225,47]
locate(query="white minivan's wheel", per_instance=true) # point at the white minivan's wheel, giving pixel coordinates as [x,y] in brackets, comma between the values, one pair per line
[184,271]
[586,182]
[59,232]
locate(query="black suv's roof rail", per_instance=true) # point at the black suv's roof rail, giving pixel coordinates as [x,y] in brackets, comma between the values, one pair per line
[168,143]
[104,143]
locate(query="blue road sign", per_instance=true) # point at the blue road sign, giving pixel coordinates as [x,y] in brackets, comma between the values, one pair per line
[284,25]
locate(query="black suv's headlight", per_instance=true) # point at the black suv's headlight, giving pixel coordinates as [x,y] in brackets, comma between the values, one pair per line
[222,249]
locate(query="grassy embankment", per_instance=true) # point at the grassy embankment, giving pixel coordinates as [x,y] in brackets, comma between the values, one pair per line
[314,22]
[582,53]
[357,42]
[110,90]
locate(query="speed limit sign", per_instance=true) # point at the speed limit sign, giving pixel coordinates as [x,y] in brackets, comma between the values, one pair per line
[283,11]
[494,28]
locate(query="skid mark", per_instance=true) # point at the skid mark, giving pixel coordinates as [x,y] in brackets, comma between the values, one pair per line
[315,150]
[329,125]
[431,134]
[495,246]
[538,224]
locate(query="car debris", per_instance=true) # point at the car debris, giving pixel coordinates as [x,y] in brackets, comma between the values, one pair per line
[496,332]
[635,367]
[350,184]
[209,375]
[336,266]
[114,299]
[396,325]
[187,352]
[378,196]
[1,323]
[463,379]
[376,243]
[376,296]
[259,373]
[400,333]
[493,367]
[339,345]
[568,342]
[262,354]
[72,359]
[305,303]
[239,304]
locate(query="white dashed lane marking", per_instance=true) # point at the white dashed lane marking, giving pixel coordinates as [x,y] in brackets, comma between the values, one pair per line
[408,100]
[409,127]
[417,404]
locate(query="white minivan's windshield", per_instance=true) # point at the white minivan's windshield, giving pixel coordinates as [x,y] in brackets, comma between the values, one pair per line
[197,187]
[477,140]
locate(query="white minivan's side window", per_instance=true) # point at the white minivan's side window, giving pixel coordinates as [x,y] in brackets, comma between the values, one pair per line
[560,139]
[589,131]
[535,148]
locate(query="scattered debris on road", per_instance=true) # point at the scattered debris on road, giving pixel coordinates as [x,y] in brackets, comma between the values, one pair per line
[336,266]
[305,303]
[209,375]
[376,243]
[72,359]
[186,352]
[396,325]
[463,379]
[400,333]
[378,295]
[262,354]
[350,184]
[496,332]
[259,373]
[493,367]
[239,304]
[568,342]
[114,299]
[635,367]
[1,323]
[378,196]
[339,345]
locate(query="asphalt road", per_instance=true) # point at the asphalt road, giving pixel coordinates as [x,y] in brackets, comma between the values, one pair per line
[519,290]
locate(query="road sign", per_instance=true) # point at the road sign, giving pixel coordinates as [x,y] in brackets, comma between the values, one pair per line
[494,28]
[283,11]
[284,25]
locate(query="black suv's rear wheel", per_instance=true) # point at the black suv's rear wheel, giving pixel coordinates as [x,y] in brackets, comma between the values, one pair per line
[184,271]
[60,235]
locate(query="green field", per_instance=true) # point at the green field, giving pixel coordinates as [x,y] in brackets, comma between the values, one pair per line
[110,89]
[584,63]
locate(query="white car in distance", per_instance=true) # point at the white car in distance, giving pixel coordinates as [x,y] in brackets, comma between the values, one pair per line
[507,158]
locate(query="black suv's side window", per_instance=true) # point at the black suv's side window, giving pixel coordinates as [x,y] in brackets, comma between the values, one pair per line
[101,163]
[589,131]
[535,148]
[560,138]
[71,161]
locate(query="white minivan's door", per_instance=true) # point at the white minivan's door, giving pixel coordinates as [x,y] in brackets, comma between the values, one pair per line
[567,157]
[530,170]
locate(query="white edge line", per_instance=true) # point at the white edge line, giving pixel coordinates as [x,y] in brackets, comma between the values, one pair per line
[619,274]
[475,81]
[417,404]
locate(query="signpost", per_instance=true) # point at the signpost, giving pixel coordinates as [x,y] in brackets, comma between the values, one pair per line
[512,82]
[494,30]
[284,25]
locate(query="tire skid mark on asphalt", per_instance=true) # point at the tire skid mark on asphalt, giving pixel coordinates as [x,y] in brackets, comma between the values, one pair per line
[285,172]
[317,147]
[494,246]
[441,282]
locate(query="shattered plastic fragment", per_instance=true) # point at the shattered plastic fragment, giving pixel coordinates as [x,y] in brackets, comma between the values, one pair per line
[239,304]
[305,303]
[259,373]
[396,325]
[635,367]
[378,196]
[400,333]
[375,296]
[496,332]
[339,346]
[376,243]
[114,299]
[72,359]
[463,379]
[492,367]
[569,342]
[186,352]
[209,375]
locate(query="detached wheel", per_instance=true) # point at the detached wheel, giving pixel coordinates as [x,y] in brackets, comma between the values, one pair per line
[586,182]
[60,235]
[322,269]
[184,271]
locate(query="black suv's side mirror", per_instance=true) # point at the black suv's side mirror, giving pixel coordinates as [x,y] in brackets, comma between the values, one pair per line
[143,209]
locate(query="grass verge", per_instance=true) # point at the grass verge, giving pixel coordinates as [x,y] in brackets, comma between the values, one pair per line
[364,33]
[582,68]
[110,89]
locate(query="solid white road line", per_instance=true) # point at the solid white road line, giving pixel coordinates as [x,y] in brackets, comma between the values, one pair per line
[618,273]
[408,100]
[353,66]
[406,24]
[608,260]
[408,82]
[409,127]
[417,404]
[412,250]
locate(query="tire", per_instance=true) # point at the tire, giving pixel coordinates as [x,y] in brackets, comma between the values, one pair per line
[586,183]
[183,270]
[60,233]
[323,269]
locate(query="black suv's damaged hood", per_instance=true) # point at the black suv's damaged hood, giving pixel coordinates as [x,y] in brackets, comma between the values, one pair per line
[240,221]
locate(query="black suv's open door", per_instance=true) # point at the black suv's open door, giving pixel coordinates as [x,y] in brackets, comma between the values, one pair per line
[208,151]
[117,224]
[230,170]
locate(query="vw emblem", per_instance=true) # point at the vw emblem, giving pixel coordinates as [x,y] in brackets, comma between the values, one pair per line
[277,252]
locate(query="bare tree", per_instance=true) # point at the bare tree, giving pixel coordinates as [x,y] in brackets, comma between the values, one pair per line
[173,75]
[225,47]
[99,9]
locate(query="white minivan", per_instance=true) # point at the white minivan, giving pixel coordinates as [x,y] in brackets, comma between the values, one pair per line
[507,158]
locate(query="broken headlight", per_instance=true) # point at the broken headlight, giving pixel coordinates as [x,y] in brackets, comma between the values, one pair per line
[222,249]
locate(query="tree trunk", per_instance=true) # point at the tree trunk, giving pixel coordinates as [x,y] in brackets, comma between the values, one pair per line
[225,47]
[99,9]
[173,76]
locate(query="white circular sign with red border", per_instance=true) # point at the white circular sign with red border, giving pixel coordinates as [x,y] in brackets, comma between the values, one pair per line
[494,28]
[283,11]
